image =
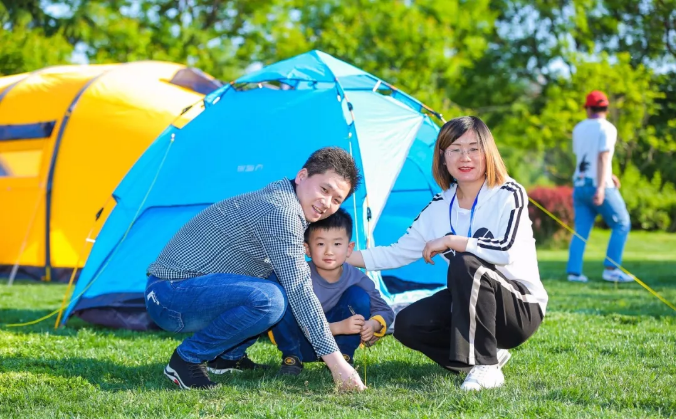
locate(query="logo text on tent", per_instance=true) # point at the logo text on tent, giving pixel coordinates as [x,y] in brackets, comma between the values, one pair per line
[249,167]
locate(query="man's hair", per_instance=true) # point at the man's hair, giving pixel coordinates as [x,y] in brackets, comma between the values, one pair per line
[597,109]
[340,219]
[336,159]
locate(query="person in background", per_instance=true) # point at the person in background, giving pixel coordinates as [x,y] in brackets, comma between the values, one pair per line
[596,190]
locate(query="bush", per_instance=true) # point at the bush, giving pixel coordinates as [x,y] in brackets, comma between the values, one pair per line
[651,205]
[559,201]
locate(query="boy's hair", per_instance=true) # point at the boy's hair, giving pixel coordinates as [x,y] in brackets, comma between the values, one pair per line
[340,219]
[597,109]
[336,159]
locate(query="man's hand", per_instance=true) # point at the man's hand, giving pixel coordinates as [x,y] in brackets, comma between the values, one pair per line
[343,373]
[599,196]
[616,182]
[351,325]
[370,327]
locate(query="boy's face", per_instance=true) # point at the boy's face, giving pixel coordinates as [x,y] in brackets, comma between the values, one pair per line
[328,249]
[320,195]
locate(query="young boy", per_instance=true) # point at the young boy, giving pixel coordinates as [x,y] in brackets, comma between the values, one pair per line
[348,297]
[227,274]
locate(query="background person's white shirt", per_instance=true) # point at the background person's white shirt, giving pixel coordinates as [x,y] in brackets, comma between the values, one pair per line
[591,137]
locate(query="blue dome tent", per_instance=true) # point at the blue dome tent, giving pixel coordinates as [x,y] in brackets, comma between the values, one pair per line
[258,129]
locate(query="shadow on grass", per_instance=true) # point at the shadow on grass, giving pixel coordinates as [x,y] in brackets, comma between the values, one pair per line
[106,375]
[404,374]
[73,327]
[113,377]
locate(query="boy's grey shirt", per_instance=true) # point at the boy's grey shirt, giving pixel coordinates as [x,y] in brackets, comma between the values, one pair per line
[329,293]
[253,234]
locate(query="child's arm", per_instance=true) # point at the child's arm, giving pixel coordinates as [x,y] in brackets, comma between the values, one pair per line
[350,326]
[382,314]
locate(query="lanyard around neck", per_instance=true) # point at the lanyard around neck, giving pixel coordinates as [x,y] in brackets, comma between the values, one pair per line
[471,214]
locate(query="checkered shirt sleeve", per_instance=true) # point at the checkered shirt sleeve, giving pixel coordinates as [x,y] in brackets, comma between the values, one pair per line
[281,233]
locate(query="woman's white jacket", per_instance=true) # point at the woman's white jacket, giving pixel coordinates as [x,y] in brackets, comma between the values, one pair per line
[502,235]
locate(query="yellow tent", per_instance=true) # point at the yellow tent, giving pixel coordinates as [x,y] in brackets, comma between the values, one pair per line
[68,135]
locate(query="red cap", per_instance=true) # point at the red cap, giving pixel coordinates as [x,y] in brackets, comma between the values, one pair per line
[596,99]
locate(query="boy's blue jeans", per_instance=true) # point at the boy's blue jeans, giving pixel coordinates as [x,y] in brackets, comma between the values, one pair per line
[227,312]
[292,342]
[614,213]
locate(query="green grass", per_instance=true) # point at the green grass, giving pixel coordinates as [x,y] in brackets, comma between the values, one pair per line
[603,351]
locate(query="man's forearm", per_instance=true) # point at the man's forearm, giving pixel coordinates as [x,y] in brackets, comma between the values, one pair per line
[601,169]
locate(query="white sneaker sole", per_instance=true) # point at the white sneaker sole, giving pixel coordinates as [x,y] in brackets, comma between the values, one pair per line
[223,371]
[479,387]
[621,281]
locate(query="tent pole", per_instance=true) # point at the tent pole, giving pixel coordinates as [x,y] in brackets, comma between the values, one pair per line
[77,264]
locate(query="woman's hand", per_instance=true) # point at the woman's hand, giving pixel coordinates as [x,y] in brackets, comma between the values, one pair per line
[434,247]
[442,244]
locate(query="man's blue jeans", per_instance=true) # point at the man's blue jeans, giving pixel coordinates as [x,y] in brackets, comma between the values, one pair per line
[227,312]
[614,213]
[291,341]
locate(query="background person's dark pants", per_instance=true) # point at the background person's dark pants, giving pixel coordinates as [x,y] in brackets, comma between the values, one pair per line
[291,341]
[488,312]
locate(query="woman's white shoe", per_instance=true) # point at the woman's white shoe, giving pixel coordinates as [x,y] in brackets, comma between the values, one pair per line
[483,376]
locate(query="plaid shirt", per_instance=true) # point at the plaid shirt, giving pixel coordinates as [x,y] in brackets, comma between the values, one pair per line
[252,234]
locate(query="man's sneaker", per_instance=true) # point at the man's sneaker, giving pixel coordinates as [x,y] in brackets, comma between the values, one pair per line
[187,375]
[483,376]
[616,275]
[221,366]
[348,359]
[503,357]
[291,365]
[577,278]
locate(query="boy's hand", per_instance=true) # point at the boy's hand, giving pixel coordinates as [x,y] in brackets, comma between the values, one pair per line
[370,327]
[352,325]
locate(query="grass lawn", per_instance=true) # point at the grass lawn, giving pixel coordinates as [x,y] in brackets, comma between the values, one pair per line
[603,351]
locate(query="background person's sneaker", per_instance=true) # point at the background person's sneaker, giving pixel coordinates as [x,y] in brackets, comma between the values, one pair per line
[616,275]
[187,375]
[221,366]
[291,365]
[483,376]
[577,278]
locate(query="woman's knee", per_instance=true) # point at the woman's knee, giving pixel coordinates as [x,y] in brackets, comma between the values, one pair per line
[460,269]
[405,325]
[464,260]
